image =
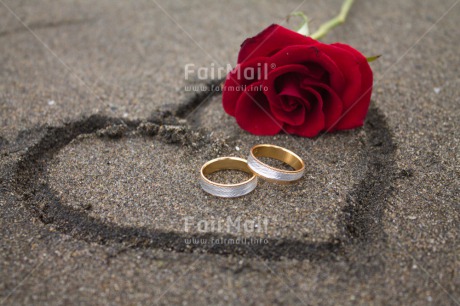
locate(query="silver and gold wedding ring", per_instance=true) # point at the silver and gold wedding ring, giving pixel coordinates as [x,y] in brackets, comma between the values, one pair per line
[271,173]
[227,190]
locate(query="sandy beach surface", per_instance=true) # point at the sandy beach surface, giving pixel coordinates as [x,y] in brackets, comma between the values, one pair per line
[102,137]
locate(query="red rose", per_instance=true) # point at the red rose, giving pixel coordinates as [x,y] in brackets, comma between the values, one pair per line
[290,82]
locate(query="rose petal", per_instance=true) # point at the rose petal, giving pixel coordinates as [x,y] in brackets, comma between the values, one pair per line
[295,114]
[292,117]
[270,41]
[289,103]
[253,112]
[332,104]
[281,81]
[356,112]
[310,55]
[314,120]
[275,86]
[236,80]
[348,63]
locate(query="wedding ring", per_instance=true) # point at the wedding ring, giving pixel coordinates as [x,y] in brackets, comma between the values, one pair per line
[271,173]
[227,190]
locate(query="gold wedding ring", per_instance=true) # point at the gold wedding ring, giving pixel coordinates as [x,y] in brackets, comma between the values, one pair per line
[271,173]
[227,190]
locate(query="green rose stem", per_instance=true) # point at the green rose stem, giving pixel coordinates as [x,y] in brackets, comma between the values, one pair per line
[326,27]
[337,20]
